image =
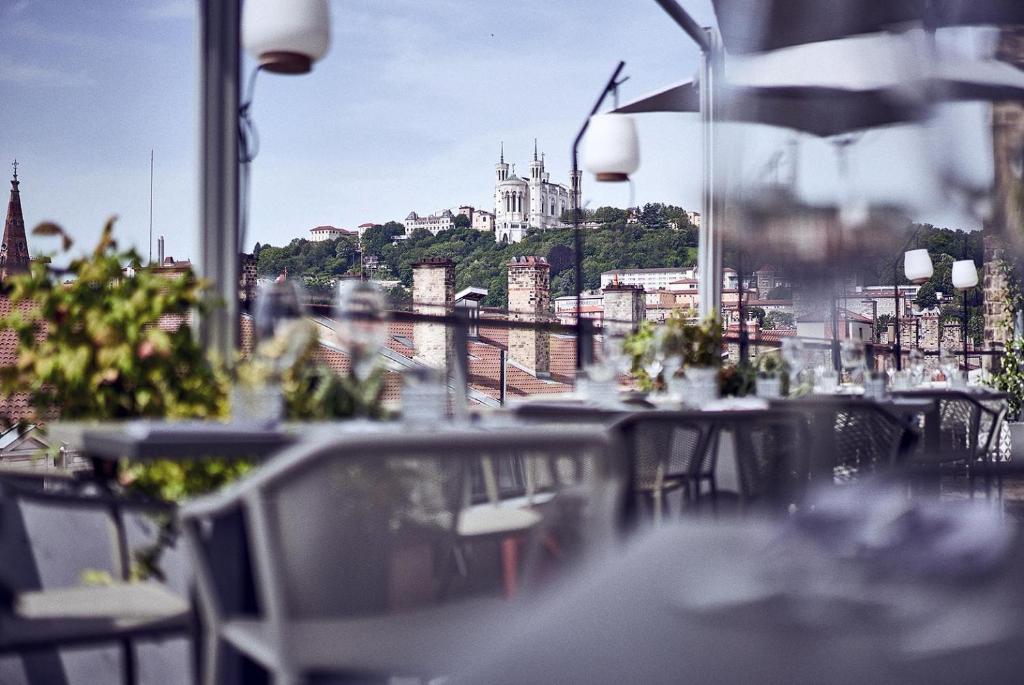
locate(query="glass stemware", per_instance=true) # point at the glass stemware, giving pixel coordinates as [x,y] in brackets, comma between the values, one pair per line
[793,355]
[282,336]
[853,360]
[361,329]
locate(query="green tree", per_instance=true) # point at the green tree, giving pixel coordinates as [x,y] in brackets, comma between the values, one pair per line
[776,320]
[757,313]
[926,297]
[882,324]
[462,221]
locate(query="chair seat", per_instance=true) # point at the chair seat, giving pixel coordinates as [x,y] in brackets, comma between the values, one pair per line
[490,519]
[119,600]
[414,643]
[92,615]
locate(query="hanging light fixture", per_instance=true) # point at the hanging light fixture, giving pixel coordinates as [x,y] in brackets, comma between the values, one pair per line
[286,36]
[611,150]
[917,265]
[965,275]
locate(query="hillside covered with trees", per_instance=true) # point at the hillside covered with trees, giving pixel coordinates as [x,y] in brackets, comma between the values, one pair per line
[481,261]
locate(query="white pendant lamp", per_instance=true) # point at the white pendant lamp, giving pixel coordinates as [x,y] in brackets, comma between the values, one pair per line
[917,265]
[611,149]
[965,275]
[286,36]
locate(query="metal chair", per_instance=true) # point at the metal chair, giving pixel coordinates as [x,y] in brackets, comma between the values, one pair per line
[353,546]
[35,620]
[668,451]
[678,450]
[852,438]
[969,431]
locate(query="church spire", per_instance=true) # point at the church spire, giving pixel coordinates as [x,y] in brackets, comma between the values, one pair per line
[14,250]
[535,149]
[502,152]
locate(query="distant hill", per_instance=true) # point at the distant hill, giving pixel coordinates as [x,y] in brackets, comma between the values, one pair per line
[480,261]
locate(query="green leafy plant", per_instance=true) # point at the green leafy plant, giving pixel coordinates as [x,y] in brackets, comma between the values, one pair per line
[696,344]
[736,380]
[96,345]
[1010,377]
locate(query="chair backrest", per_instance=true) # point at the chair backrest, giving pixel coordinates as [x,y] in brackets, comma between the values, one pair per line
[852,438]
[368,524]
[663,444]
[969,423]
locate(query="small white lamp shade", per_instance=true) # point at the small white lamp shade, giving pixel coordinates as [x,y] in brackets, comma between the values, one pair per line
[917,265]
[965,275]
[611,150]
[286,36]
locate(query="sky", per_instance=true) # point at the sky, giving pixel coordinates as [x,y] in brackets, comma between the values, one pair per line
[406,112]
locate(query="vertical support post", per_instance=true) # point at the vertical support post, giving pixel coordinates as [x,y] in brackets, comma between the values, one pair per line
[502,376]
[963,337]
[709,245]
[897,352]
[460,372]
[220,62]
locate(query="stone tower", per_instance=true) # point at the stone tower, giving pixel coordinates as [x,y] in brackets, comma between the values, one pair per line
[529,300]
[433,292]
[624,303]
[14,250]
[1007,224]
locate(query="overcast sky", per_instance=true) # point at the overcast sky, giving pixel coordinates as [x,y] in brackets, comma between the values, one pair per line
[406,112]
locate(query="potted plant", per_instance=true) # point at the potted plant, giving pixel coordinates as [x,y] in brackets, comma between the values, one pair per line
[698,347]
[1010,379]
[772,375]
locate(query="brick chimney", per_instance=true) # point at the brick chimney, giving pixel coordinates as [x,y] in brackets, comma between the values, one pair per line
[529,299]
[433,292]
[624,303]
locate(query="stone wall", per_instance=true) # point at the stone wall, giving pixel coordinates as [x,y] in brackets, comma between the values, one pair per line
[433,292]
[1006,227]
[529,299]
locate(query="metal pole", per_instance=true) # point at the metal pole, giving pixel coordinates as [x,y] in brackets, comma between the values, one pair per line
[963,296]
[686,22]
[577,236]
[220,61]
[709,246]
[896,301]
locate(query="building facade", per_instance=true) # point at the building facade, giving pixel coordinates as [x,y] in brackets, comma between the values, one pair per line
[322,233]
[524,203]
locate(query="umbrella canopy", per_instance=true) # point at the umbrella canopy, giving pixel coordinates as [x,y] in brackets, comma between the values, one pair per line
[750,26]
[833,88]
[820,111]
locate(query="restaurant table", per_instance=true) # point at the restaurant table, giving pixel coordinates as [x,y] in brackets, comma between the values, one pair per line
[749,601]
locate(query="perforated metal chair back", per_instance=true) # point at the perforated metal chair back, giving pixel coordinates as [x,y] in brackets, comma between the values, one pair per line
[375,524]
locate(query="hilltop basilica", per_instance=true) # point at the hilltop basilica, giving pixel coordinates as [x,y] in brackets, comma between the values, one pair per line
[534,202]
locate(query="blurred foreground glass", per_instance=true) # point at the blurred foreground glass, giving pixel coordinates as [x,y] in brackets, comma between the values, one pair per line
[424,397]
[362,328]
[949,364]
[601,385]
[808,168]
[793,356]
[699,386]
[282,336]
[916,368]
[854,361]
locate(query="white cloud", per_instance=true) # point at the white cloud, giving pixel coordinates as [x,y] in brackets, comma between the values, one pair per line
[169,9]
[22,73]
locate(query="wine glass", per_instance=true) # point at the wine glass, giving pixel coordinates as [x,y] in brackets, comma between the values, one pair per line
[282,332]
[654,360]
[852,357]
[361,327]
[916,358]
[793,355]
